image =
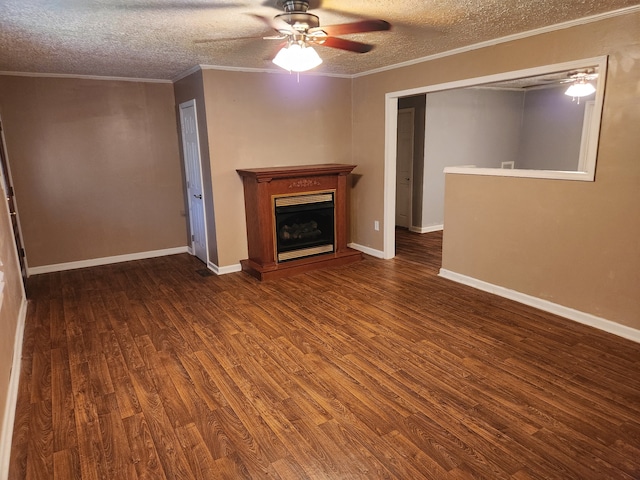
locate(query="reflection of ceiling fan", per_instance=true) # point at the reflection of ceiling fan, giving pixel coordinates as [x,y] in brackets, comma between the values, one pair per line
[579,76]
[580,83]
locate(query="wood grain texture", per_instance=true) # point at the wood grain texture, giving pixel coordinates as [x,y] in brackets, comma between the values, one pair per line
[376,370]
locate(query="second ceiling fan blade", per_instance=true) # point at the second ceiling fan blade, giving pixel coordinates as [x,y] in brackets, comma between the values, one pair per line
[277,24]
[231,39]
[174,5]
[344,44]
[355,27]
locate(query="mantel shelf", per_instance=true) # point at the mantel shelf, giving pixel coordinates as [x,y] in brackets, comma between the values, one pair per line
[268,174]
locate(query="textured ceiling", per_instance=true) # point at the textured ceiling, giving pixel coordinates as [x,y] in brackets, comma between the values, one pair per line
[158,38]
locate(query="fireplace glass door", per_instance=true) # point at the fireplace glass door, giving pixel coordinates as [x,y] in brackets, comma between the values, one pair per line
[305,225]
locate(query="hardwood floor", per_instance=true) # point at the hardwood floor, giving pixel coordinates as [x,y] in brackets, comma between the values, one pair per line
[376,370]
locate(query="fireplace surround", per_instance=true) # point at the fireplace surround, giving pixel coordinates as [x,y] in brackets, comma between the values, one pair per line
[296,219]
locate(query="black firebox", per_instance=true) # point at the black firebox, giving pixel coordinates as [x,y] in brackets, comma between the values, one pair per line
[305,225]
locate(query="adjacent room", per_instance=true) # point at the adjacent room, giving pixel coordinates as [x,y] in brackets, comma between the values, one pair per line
[415,254]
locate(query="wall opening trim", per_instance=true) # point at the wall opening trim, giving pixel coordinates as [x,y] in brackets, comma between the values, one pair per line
[391,113]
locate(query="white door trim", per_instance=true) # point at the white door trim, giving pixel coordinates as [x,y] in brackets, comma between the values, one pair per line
[391,144]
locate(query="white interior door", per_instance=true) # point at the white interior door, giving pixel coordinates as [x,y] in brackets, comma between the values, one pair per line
[404,167]
[193,170]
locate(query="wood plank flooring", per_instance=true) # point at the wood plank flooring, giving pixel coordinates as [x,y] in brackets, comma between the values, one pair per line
[377,370]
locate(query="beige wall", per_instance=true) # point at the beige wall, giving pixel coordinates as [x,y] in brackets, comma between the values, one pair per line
[95,166]
[261,119]
[11,298]
[576,244]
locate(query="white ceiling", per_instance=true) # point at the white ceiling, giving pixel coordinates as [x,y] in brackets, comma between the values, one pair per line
[157,38]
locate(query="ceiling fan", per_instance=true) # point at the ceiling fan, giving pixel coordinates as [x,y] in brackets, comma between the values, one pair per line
[301,30]
[297,25]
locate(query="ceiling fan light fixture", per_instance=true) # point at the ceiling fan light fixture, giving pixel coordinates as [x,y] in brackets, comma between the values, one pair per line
[580,88]
[297,58]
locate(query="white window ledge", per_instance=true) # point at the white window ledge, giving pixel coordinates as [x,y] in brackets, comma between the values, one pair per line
[500,172]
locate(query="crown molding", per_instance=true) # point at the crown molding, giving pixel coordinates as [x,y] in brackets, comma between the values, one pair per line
[277,71]
[84,77]
[186,73]
[508,38]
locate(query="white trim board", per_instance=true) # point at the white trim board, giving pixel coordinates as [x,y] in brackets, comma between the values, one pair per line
[545,305]
[9,417]
[429,229]
[94,262]
[367,250]
[224,270]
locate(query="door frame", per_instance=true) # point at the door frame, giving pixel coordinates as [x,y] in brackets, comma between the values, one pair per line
[187,104]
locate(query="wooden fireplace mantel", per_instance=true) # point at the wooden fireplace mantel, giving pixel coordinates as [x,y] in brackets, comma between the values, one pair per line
[261,186]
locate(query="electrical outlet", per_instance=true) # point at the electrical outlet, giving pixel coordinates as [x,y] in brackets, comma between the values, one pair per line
[376,225]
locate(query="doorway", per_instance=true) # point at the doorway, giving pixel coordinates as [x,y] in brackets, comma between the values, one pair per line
[193,177]
[404,167]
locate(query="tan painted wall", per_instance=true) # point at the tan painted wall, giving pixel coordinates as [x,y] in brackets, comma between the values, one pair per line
[573,243]
[11,294]
[95,166]
[260,119]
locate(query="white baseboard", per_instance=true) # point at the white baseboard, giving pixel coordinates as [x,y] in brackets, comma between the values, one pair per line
[367,250]
[545,305]
[429,229]
[12,394]
[224,270]
[94,262]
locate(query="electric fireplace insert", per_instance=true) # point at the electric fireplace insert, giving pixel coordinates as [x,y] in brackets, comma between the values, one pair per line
[305,225]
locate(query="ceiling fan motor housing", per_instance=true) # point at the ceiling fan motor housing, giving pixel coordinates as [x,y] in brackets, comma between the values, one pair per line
[300,21]
[295,5]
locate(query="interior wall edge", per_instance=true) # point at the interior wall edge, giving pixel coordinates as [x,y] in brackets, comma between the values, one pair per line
[545,305]
[6,435]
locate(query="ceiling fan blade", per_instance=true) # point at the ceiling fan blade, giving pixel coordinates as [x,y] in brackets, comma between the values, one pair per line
[178,6]
[226,39]
[275,23]
[355,27]
[344,44]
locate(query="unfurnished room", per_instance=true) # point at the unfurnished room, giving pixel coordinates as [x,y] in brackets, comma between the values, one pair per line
[312,239]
